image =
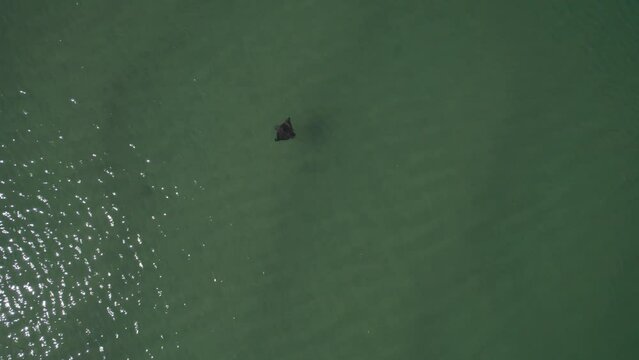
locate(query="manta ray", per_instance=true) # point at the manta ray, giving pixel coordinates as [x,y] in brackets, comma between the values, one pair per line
[285,131]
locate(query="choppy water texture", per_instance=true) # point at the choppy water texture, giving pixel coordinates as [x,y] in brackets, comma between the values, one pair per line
[463,184]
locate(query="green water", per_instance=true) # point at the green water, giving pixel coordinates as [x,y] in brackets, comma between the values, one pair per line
[464,183]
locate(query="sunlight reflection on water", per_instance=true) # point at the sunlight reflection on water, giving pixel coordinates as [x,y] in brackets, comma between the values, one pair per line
[68,245]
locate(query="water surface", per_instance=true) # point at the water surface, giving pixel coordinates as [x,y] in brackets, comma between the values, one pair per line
[463,184]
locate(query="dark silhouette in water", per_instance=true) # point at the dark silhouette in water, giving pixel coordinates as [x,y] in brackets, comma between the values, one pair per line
[285,131]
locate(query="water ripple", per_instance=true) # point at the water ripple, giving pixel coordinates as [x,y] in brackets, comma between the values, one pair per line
[66,244]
